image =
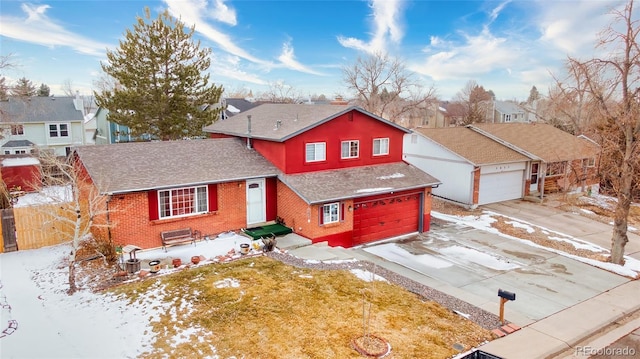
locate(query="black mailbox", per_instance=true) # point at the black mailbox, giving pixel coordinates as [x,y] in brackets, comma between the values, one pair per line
[506,295]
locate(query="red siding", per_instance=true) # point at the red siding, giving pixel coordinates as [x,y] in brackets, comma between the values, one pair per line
[290,156]
[25,177]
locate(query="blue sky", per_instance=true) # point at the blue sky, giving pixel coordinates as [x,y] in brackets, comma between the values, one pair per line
[504,46]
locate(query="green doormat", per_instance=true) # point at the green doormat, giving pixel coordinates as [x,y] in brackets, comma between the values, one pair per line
[268,231]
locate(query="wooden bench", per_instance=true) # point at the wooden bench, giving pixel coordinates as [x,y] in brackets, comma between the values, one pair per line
[179,236]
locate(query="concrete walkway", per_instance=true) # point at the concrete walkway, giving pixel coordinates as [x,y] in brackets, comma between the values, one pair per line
[560,335]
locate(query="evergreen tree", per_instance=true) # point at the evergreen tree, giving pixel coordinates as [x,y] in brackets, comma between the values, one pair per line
[533,95]
[4,89]
[161,82]
[44,90]
[24,88]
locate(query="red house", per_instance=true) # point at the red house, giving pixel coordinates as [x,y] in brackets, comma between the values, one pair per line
[330,173]
[342,176]
[20,172]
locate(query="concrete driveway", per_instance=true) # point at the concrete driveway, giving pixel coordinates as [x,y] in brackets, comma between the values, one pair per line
[473,264]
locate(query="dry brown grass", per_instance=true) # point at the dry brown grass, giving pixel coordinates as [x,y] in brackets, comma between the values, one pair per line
[280,311]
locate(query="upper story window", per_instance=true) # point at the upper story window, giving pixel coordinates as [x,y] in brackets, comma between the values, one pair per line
[381,146]
[182,201]
[315,152]
[350,149]
[58,130]
[17,130]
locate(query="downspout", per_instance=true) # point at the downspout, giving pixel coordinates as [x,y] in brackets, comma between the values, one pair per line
[108,220]
[421,213]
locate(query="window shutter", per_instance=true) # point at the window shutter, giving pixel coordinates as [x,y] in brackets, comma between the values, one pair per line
[153,205]
[321,213]
[341,211]
[213,197]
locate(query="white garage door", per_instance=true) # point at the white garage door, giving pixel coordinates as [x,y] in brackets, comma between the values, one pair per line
[500,186]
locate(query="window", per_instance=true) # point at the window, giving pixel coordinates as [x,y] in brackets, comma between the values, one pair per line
[589,162]
[17,130]
[7,152]
[555,168]
[507,118]
[58,130]
[315,152]
[350,149]
[414,139]
[381,146]
[330,213]
[182,201]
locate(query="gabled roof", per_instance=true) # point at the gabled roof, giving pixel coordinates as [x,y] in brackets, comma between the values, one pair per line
[40,109]
[142,166]
[543,141]
[355,182]
[293,120]
[238,105]
[507,107]
[477,149]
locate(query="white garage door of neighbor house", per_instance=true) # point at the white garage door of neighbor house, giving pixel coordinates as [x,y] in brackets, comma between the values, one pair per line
[500,186]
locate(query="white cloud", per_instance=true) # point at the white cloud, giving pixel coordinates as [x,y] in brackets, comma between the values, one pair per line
[191,13]
[39,29]
[223,13]
[288,59]
[229,66]
[387,25]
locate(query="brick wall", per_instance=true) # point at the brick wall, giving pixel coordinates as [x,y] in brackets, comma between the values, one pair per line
[130,224]
[304,218]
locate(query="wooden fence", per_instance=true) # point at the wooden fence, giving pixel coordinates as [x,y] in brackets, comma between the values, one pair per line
[40,226]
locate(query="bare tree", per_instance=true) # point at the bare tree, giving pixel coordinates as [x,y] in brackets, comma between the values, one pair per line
[614,84]
[475,102]
[67,88]
[384,87]
[64,183]
[281,92]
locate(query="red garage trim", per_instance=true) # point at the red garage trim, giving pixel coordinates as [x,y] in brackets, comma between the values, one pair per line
[386,216]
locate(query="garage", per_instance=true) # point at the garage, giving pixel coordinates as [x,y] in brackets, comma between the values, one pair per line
[500,186]
[385,216]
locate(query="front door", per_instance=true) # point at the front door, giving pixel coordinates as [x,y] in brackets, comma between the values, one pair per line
[256,206]
[534,177]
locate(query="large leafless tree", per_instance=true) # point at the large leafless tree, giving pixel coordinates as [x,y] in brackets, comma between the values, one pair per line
[613,82]
[64,183]
[476,103]
[385,87]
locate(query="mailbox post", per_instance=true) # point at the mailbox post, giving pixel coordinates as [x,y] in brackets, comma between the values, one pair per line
[504,297]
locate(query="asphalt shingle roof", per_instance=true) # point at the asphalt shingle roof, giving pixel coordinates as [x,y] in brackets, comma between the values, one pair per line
[293,119]
[472,146]
[18,143]
[542,140]
[40,109]
[334,185]
[141,166]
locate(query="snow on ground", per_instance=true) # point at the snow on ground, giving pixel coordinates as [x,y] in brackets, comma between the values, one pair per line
[52,324]
[483,222]
[53,194]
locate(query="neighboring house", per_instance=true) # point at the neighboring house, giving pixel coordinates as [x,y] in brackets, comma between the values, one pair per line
[506,112]
[342,178]
[90,129]
[487,163]
[107,132]
[474,169]
[234,106]
[54,123]
[208,185]
[560,161]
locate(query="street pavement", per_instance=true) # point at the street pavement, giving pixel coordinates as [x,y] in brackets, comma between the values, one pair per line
[560,301]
